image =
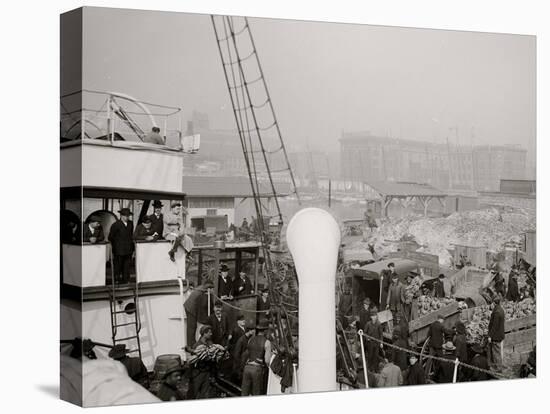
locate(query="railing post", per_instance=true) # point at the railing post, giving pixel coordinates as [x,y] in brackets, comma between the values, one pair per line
[365,372]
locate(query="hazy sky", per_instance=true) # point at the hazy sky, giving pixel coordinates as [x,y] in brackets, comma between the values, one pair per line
[327,77]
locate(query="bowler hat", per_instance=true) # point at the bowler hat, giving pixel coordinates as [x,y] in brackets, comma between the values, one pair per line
[146,219]
[441,276]
[157,204]
[224,268]
[118,351]
[391,264]
[448,346]
[125,212]
[173,366]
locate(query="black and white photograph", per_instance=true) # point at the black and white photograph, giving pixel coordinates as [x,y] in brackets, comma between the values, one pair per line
[262,206]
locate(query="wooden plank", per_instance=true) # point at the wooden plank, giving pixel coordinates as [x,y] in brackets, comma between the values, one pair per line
[520,337]
[432,317]
[521,323]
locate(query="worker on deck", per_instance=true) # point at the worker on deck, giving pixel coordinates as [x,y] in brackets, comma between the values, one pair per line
[242,285]
[93,232]
[461,344]
[122,243]
[500,286]
[259,357]
[134,366]
[496,335]
[220,325]
[196,311]
[238,353]
[157,219]
[391,375]
[479,360]
[364,313]
[169,388]
[263,305]
[174,231]
[154,137]
[144,231]
[200,373]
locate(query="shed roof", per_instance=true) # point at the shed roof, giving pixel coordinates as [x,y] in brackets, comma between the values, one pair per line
[402,189]
[373,270]
[237,187]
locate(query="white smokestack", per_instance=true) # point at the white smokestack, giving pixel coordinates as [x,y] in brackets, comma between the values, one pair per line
[313,238]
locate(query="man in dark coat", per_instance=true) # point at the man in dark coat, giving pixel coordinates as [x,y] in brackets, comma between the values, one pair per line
[242,285]
[437,339]
[373,328]
[263,306]
[258,352]
[196,311]
[157,219]
[395,296]
[122,243]
[400,357]
[201,372]
[415,373]
[500,286]
[239,353]
[364,314]
[496,336]
[479,360]
[513,290]
[225,284]
[134,366]
[220,326]
[445,370]
[386,276]
[461,348]
[439,288]
[93,231]
[144,231]
[238,330]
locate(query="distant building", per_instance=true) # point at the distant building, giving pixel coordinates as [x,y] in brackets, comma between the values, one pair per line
[493,163]
[365,157]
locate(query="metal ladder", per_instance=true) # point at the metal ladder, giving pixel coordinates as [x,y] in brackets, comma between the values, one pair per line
[253,110]
[133,314]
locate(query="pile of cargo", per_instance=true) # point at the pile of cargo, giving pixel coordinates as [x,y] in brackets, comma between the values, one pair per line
[490,227]
[479,323]
[428,304]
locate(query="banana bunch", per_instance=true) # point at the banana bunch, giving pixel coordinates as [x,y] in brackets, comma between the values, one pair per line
[210,353]
[429,304]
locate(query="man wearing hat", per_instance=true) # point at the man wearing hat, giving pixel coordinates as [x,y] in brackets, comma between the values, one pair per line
[479,360]
[373,329]
[169,388]
[199,381]
[196,311]
[512,292]
[134,366]
[122,244]
[225,284]
[396,296]
[93,231]
[144,231]
[238,352]
[174,230]
[496,335]
[386,276]
[445,370]
[242,285]
[415,373]
[439,288]
[220,325]
[437,334]
[259,357]
[157,219]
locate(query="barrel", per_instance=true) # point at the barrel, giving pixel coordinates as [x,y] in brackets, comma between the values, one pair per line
[163,362]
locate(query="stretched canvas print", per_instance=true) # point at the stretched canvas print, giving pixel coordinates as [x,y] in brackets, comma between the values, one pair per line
[260,206]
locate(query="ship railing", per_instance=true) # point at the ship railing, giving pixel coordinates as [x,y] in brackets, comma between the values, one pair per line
[111,116]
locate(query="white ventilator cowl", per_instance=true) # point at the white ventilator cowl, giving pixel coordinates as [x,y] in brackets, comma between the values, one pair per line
[313,238]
